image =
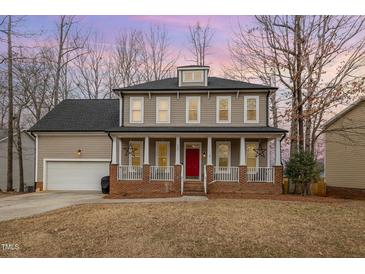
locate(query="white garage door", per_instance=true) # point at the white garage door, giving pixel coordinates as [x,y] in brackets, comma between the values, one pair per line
[75,175]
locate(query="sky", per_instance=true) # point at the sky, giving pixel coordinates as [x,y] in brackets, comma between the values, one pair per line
[177,26]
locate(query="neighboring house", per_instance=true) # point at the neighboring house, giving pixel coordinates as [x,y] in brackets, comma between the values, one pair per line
[28,145]
[345,151]
[192,133]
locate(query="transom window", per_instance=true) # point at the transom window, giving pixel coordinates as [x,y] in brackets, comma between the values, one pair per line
[136,109]
[135,153]
[252,160]
[163,109]
[162,153]
[193,109]
[193,76]
[251,106]
[223,154]
[223,109]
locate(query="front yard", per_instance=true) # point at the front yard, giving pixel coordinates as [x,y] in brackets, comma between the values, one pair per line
[216,228]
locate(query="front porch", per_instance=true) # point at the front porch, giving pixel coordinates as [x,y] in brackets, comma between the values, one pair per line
[160,166]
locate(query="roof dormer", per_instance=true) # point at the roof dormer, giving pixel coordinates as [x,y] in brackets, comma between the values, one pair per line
[193,76]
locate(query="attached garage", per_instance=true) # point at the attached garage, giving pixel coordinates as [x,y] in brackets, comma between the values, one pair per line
[73,175]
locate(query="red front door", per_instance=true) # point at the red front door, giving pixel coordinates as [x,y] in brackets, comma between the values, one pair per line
[192,162]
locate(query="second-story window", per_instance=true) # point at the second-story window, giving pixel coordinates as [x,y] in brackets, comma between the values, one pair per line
[136,109]
[193,76]
[223,109]
[192,109]
[251,106]
[163,110]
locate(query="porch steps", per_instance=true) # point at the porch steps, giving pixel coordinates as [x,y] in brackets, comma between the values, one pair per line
[193,188]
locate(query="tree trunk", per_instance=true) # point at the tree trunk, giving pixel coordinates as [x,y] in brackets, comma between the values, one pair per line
[298,80]
[9,186]
[274,109]
[20,155]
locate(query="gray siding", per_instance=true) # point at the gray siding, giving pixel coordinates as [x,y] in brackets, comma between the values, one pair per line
[208,110]
[66,147]
[28,145]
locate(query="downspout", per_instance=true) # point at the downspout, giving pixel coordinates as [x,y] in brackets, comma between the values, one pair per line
[35,161]
[111,148]
[267,108]
[281,158]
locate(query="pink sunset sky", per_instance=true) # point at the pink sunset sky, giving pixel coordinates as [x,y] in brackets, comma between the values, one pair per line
[177,26]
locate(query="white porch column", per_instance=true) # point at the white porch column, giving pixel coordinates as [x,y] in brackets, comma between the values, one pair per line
[277,152]
[146,151]
[209,152]
[242,151]
[268,153]
[177,151]
[114,150]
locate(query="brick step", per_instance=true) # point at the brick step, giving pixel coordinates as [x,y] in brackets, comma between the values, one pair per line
[194,193]
[193,186]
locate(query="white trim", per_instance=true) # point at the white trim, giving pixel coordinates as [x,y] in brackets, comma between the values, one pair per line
[257,98]
[168,151]
[209,151]
[36,159]
[187,105]
[146,151]
[268,153]
[277,151]
[73,133]
[158,99]
[45,160]
[217,119]
[242,151]
[217,155]
[257,158]
[142,109]
[141,149]
[120,151]
[114,150]
[200,159]
[177,151]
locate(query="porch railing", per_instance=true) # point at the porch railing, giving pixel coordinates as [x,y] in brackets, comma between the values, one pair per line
[226,174]
[162,173]
[127,172]
[260,174]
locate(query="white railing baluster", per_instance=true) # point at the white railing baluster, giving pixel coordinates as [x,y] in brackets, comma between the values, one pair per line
[260,174]
[225,174]
[162,173]
[132,173]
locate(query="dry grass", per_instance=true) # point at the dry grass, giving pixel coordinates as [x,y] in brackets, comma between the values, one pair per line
[9,194]
[217,228]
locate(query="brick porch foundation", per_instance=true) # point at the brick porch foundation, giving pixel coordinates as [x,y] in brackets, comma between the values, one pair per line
[345,192]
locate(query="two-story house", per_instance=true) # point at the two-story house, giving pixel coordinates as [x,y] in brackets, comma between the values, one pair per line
[192,134]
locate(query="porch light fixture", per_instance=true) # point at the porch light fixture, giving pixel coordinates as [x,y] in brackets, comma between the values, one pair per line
[79,152]
[204,154]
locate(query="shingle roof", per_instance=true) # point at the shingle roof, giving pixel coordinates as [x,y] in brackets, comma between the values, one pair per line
[80,115]
[198,129]
[214,83]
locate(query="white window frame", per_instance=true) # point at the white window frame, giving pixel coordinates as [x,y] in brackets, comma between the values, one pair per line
[142,152]
[229,110]
[193,80]
[217,152]
[131,99]
[158,99]
[168,152]
[187,105]
[257,98]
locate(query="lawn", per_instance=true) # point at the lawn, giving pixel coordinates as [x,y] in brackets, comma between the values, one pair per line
[216,228]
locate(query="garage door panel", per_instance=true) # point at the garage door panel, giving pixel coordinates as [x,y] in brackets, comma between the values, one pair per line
[74,175]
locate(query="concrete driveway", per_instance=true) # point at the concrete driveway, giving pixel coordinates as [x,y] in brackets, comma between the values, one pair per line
[25,205]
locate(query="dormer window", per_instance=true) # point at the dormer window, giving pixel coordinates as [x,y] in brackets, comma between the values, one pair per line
[193,76]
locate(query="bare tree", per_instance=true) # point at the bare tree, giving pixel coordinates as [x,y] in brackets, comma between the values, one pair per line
[127,58]
[69,41]
[303,50]
[158,60]
[199,39]
[90,73]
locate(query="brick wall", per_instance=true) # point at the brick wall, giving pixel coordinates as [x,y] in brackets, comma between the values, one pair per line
[143,188]
[345,192]
[243,188]
[278,173]
[242,173]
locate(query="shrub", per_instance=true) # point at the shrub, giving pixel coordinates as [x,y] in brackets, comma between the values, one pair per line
[302,168]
